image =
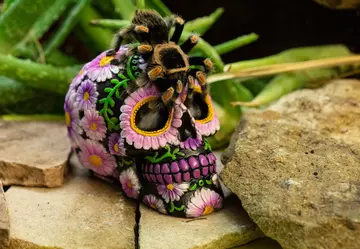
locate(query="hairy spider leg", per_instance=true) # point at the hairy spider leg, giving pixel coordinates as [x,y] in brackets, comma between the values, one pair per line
[133,32]
[189,43]
[155,73]
[190,89]
[144,48]
[179,27]
[202,61]
[200,76]
[170,94]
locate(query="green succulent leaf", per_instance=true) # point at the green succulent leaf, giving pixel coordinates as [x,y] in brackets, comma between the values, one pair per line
[66,27]
[36,18]
[38,76]
[12,91]
[125,8]
[159,6]
[202,24]
[98,38]
[6,5]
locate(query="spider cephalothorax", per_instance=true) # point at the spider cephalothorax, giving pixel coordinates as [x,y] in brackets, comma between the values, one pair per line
[169,66]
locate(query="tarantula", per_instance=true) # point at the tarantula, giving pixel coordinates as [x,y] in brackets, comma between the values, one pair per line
[169,66]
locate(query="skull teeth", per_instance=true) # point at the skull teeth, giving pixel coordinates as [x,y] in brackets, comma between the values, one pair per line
[184,170]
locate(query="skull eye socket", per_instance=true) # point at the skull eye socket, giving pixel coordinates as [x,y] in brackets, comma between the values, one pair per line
[200,108]
[148,120]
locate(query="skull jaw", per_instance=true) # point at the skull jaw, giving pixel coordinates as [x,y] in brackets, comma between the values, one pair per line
[186,185]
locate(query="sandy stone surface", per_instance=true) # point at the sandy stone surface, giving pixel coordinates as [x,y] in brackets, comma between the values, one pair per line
[296,167]
[33,153]
[4,220]
[223,229]
[84,213]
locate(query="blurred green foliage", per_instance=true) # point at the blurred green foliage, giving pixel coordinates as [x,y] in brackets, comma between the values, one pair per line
[44,43]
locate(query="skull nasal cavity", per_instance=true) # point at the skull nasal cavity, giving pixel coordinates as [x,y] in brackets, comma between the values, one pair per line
[171,58]
[187,128]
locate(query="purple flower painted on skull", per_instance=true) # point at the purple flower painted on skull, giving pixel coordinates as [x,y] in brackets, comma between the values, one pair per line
[116,145]
[94,156]
[93,124]
[78,79]
[204,202]
[155,203]
[86,95]
[100,68]
[172,192]
[130,183]
[72,119]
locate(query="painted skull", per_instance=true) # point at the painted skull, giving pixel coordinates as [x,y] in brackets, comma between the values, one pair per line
[157,155]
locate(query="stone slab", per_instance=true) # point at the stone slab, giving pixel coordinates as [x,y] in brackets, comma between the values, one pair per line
[226,228]
[4,220]
[33,153]
[84,213]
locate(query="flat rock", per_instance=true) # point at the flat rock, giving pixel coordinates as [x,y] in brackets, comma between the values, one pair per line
[33,153]
[4,220]
[296,167]
[223,229]
[84,213]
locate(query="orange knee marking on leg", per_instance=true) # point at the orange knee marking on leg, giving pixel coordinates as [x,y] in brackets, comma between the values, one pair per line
[179,86]
[179,20]
[155,72]
[166,96]
[194,39]
[142,28]
[201,78]
[208,64]
[191,82]
[145,48]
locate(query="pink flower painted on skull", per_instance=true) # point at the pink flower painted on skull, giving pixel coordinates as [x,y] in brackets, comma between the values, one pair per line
[155,203]
[204,202]
[100,69]
[130,183]
[172,192]
[93,124]
[94,156]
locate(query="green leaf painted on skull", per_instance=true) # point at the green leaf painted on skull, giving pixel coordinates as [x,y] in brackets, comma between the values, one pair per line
[169,154]
[108,102]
